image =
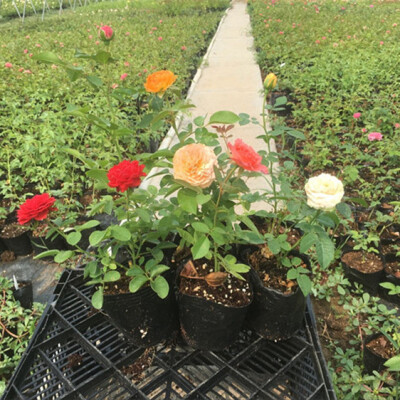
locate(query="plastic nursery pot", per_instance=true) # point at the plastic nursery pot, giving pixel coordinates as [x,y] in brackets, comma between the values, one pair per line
[388,276]
[147,318]
[17,239]
[275,315]
[372,361]
[370,280]
[24,294]
[41,244]
[207,325]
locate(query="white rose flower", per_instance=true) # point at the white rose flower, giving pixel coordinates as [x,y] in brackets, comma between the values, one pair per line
[324,192]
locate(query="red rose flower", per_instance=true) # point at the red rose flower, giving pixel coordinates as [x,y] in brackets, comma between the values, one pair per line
[246,157]
[37,208]
[106,33]
[125,175]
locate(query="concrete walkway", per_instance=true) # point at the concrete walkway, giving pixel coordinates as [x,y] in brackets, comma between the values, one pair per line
[230,80]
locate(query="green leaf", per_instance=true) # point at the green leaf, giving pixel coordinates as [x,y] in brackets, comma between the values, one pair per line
[49,58]
[137,282]
[98,174]
[187,200]
[280,101]
[112,276]
[274,245]
[307,241]
[199,121]
[304,283]
[97,298]
[95,81]
[160,286]
[325,250]
[143,215]
[120,233]
[218,236]
[48,253]
[73,238]
[393,363]
[103,57]
[224,117]
[200,227]
[74,73]
[296,134]
[292,273]
[201,248]
[203,199]
[96,237]
[157,270]
[87,225]
[344,209]
[63,256]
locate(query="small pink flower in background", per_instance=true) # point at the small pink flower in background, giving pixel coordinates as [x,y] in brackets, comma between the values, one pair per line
[160,38]
[317,42]
[90,37]
[54,66]
[323,37]
[126,63]
[123,77]
[356,115]
[183,48]
[375,136]
[371,6]
[204,32]
[38,45]
[348,37]
[31,55]
[127,33]
[114,86]
[154,28]
[97,42]
[387,31]
[20,69]
[397,125]
[343,8]
[335,45]
[145,71]
[380,43]
[394,25]
[26,51]
[8,65]
[281,32]
[27,37]
[364,130]
[27,71]
[160,21]
[61,44]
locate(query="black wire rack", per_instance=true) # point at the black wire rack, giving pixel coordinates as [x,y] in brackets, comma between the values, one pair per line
[77,352]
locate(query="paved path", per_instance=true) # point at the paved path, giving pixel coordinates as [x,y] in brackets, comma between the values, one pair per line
[230,80]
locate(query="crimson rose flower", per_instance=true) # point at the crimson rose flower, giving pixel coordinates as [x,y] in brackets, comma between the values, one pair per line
[246,157]
[37,208]
[125,175]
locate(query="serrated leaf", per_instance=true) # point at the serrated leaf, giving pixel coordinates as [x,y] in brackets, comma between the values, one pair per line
[97,298]
[103,57]
[63,256]
[98,174]
[296,134]
[160,286]
[95,81]
[203,198]
[280,101]
[325,251]
[96,237]
[304,283]
[73,238]
[87,225]
[187,200]
[143,215]
[157,270]
[201,248]
[112,276]
[224,117]
[307,241]
[274,245]
[344,210]
[49,58]
[137,282]
[393,363]
[200,227]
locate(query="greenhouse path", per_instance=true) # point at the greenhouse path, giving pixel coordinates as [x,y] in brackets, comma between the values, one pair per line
[230,80]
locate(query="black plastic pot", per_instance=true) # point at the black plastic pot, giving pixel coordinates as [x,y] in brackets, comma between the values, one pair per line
[19,245]
[147,318]
[24,294]
[369,280]
[273,314]
[371,360]
[41,244]
[206,325]
[387,277]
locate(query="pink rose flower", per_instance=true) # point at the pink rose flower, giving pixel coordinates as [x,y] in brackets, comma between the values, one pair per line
[8,65]
[106,33]
[114,86]
[364,130]
[20,69]
[126,63]
[123,77]
[27,71]
[160,38]
[183,48]
[246,157]
[356,115]
[397,125]
[375,136]
[26,51]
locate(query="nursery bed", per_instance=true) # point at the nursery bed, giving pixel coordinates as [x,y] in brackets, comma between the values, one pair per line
[77,353]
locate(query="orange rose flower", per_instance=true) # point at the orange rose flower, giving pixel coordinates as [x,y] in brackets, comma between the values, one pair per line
[246,157]
[160,81]
[194,164]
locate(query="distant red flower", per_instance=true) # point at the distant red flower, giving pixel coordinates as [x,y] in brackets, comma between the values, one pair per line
[125,175]
[246,157]
[106,33]
[123,77]
[356,115]
[37,208]
[8,65]
[375,136]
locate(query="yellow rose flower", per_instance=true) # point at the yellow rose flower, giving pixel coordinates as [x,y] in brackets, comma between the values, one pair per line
[270,81]
[194,164]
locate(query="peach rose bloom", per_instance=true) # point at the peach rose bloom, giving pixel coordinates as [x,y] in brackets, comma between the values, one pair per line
[160,81]
[194,164]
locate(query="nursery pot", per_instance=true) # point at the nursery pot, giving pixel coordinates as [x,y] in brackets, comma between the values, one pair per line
[24,294]
[19,243]
[372,361]
[388,277]
[273,314]
[41,244]
[147,318]
[370,280]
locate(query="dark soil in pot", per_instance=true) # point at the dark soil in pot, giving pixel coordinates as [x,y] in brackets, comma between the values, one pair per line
[146,317]
[16,238]
[211,317]
[24,294]
[377,350]
[363,267]
[277,311]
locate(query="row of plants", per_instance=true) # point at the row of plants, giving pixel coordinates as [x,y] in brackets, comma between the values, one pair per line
[348,111]
[35,127]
